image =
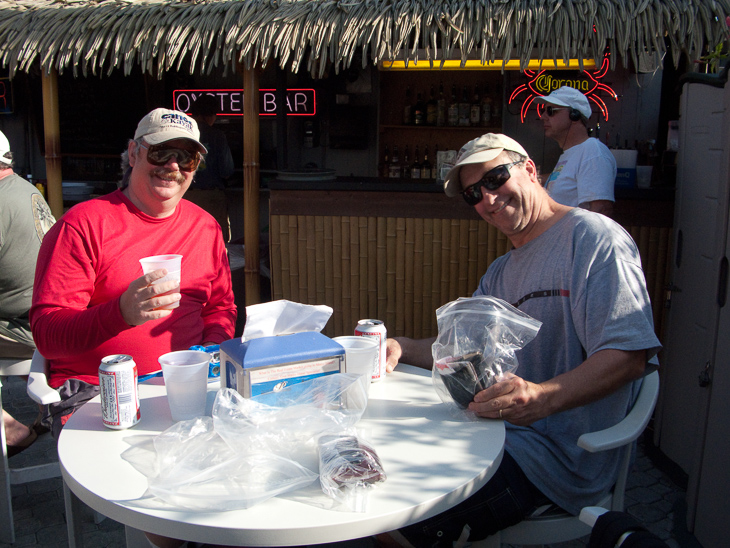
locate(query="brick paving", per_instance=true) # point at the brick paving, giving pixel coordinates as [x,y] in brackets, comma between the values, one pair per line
[655,495]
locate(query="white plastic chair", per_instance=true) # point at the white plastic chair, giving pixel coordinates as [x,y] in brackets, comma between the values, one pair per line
[562,527]
[16,476]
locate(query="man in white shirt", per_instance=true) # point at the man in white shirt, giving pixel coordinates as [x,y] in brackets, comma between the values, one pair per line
[586,171]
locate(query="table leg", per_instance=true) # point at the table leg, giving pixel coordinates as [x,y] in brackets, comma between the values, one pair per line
[73,517]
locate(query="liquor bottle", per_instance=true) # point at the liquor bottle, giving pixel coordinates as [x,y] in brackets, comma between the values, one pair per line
[425,166]
[453,111]
[416,166]
[406,168]
[486,107]
[385,168]
[419,111]
[441,107]
[497,106]
[431,109]
[464,109]
[394,167]
[408,108]
[476,108]
[434,165]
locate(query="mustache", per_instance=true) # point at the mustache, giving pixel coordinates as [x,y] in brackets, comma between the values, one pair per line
[169,175]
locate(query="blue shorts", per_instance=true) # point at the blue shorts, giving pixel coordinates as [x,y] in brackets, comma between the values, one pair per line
[506,499]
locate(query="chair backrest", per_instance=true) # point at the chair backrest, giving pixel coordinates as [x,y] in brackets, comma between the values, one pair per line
[14,367]
[38,388]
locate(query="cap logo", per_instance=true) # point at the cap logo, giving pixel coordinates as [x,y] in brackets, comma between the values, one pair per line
[178,120]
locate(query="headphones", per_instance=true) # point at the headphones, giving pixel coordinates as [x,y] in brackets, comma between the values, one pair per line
[574,114]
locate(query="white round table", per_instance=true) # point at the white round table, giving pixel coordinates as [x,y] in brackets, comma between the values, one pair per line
[432,462]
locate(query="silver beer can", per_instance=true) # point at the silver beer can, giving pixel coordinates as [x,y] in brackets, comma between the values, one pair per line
[118,391]
[375,329]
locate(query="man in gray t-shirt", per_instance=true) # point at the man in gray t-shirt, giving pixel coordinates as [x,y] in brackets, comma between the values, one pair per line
[579,273]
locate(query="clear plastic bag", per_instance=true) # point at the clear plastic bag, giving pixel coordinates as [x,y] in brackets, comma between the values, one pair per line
[349,468]
[476,344]
[251,449]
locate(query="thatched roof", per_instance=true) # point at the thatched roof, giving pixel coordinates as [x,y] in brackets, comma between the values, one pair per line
[200,35]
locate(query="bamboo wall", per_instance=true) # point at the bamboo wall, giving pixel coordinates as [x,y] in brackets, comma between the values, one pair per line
[400,270]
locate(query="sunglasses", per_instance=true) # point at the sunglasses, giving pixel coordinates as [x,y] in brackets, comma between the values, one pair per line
[159,155]
[492,180]
[551,110]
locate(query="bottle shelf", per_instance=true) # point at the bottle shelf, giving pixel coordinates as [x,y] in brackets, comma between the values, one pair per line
[484,129]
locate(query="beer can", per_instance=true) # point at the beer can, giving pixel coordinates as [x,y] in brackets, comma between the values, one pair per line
[376,329]
[118,391]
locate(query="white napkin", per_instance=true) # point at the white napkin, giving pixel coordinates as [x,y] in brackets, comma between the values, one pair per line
[282,317]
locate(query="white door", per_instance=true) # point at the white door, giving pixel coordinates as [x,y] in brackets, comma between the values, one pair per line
[699,228]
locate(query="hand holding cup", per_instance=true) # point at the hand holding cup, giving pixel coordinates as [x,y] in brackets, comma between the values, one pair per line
[145,300]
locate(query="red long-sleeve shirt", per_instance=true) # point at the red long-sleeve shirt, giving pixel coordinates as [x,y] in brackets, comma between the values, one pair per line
[88,259]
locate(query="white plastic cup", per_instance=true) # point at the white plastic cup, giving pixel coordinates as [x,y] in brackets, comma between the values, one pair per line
[186,380]
[361,356]
[173,265]
[643,176]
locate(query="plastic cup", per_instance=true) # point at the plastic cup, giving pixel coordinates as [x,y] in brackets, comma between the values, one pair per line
[186,380]
[643,176]
[361,356]
[173,265]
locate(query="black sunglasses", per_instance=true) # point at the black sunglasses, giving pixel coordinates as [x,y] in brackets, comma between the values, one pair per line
[492,180]
[551,110]
[159,155]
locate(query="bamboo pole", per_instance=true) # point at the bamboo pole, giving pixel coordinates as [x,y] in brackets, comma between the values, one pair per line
[251,169]
[276,256]
[52,137]
[382,273]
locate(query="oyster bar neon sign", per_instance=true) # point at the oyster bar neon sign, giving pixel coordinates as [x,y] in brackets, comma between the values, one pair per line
[299,102]
[542,83]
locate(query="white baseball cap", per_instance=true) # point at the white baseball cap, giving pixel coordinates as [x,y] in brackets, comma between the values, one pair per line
[162,125]
[567,96]
[477,151]
[4,145]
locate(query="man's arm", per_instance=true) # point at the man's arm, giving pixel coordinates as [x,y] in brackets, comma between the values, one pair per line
[523,403]
[411,351]
[605,207]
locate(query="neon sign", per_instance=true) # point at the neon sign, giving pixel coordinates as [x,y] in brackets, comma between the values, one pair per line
[299,102]
[542,83]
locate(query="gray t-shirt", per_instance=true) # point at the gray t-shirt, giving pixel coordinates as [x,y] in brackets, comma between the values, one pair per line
[583,280]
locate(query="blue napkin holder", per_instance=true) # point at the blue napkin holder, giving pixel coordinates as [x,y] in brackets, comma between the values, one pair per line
[268,364]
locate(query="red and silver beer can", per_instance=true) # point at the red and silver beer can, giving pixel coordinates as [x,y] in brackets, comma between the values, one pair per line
[375,329]
[119,392]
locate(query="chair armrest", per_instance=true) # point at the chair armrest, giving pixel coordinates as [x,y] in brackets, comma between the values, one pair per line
[631,426]
[37,386]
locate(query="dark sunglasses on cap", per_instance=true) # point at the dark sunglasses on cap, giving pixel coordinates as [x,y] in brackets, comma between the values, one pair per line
[492,180]
[551,110]
[159,155]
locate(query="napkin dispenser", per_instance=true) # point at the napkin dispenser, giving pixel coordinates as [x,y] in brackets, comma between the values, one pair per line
[268,364]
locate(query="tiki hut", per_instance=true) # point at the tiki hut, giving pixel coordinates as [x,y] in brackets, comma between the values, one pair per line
[96,37]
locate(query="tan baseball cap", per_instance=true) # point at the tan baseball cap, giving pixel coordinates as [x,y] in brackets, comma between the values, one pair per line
[162,125]
[477,151]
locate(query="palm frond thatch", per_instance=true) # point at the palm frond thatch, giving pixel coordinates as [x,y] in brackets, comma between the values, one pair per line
[99,36]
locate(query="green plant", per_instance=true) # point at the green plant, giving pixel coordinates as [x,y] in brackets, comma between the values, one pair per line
[720,53]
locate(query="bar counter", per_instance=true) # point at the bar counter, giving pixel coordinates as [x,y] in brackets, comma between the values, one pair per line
[396,251]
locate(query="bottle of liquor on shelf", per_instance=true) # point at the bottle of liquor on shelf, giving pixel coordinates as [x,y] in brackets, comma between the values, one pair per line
[394,166]
[486,107]
[431,109]
[434,165]
[425,166]
[385,167]
[416,166]
[441,107]
[406,168]
[464,109]
[452,117]
[475,112]
[419,111]
[497,106]
[408,108]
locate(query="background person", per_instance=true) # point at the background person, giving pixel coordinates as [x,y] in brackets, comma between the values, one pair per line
[90,300]
[586,171]
[24,219]
[212,175]
[580,275]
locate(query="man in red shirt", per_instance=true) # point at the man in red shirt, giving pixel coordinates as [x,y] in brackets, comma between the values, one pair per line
[90,298]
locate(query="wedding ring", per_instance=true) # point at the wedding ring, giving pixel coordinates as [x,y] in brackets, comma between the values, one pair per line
[500,413]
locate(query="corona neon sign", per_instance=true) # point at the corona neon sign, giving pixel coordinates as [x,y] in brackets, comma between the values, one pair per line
[542,83]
